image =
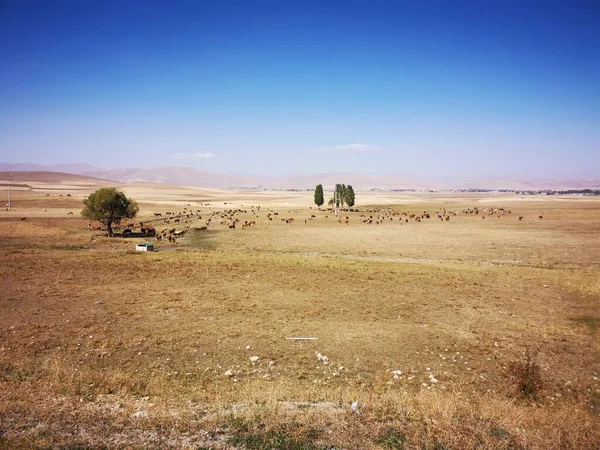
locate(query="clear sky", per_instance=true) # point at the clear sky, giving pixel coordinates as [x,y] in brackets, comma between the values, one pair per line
[285,86]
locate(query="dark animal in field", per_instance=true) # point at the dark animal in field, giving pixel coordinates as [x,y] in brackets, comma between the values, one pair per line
[541,217]
[23,218]
[70,213]
[157,214]
[520,217]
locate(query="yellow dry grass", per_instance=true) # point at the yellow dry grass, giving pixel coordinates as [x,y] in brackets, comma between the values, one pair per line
[102,346]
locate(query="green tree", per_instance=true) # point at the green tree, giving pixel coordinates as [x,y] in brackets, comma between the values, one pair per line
[349,196]
[319,199]
[109,206]
[339,195]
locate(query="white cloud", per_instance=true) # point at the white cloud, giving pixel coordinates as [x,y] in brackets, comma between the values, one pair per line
[205,155]
[356,148]
[201,155]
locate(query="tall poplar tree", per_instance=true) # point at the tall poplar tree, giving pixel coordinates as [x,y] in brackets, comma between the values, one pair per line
[349,196]
[319,199]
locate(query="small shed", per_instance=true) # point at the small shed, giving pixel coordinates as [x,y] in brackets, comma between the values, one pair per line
[145,247]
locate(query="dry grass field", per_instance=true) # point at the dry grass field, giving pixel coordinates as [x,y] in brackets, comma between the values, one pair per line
[425,325]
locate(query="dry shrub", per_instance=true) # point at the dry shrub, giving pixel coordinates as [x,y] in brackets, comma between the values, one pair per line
[527,375]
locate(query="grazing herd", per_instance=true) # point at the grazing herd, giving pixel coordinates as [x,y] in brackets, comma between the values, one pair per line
[189,219]
[239,218]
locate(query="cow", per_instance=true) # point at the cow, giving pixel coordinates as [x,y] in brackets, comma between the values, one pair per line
[70,213]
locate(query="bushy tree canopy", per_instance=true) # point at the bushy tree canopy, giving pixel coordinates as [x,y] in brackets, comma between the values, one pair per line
[108,206]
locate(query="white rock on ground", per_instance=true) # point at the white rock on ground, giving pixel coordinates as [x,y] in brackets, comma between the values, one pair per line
[323,358]
[254,358]
[229,373]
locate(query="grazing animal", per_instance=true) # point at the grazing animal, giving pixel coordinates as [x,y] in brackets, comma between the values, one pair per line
[23,218]
[520,217]
[541,217]
[70,213]
[157,214]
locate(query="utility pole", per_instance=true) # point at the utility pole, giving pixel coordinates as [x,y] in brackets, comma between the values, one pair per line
[8,205]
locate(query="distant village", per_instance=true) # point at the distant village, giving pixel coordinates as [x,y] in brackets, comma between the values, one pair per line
[573,192]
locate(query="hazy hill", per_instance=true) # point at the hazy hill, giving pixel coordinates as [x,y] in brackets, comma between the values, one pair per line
[75,168]
[196,177]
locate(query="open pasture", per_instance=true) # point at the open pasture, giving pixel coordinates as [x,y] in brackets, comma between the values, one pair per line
[421,322]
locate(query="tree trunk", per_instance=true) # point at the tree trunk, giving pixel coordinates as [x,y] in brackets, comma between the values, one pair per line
[109,228]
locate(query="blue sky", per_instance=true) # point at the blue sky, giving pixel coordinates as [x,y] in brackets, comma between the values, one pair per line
[419,88]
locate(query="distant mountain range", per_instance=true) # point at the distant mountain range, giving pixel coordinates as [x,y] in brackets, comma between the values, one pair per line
[195,177]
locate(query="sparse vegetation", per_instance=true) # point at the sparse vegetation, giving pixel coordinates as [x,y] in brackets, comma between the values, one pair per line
[591,322]
[420,323]
[392,439]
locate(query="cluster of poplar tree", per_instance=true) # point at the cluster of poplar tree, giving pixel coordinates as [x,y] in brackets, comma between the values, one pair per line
[342,195]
